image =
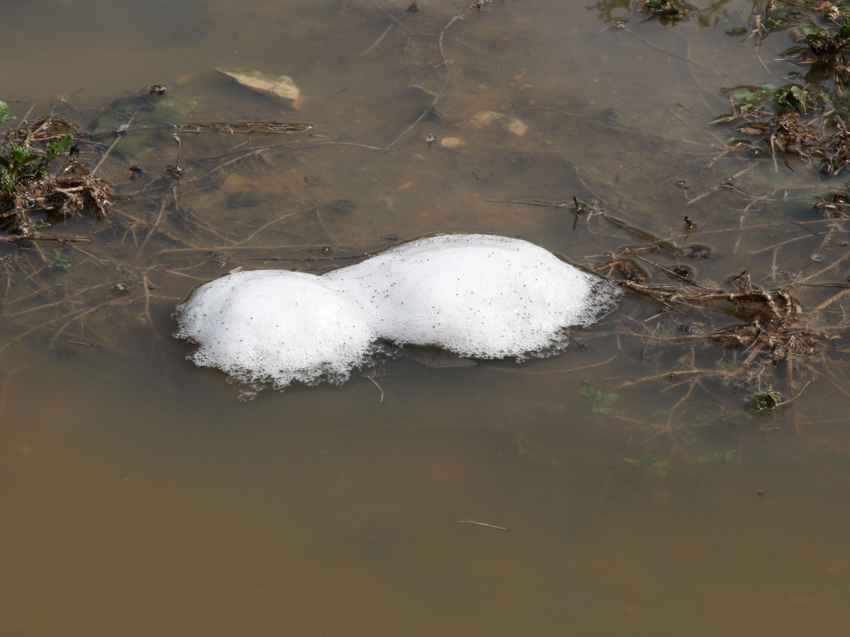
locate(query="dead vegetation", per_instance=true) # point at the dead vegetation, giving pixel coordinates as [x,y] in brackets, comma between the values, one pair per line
[35,194]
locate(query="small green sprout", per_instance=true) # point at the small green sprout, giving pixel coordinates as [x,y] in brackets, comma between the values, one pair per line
[53,150]
[765,401]
[720,458]
[61,262]
[5,115]
[648,464]
[599,402]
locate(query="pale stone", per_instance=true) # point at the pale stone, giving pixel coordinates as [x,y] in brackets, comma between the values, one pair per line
[511,124]
[517,127]
[485,118]
[280,88]
[452,142]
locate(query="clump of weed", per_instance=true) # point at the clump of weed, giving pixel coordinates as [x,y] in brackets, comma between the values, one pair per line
[30,184]
[765,401]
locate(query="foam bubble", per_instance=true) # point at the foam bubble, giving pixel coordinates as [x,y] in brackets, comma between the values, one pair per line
[275,327]
[478,296]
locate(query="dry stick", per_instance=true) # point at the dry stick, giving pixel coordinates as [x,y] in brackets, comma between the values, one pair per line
[831,300]
[816,254]
[41,237]
[272,222]
[658,48]
[146,284]
[693,383]
[372,378]
[247,155]
[390,16]
[740,236]
[836,385]
[158,218]
[723,187]
[188,276]
[86,344]
[777,245]
[436,99]
[115,141]
[29,112]
[378,41]
[668,375]
[162,232]
[288,148]
[5,384]
[489,526]
[556,371]
[829,267]
[241,247]
[82,314]
[60,302]
[800,393]
[28,332]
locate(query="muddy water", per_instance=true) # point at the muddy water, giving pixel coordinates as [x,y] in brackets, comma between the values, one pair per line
[140,496]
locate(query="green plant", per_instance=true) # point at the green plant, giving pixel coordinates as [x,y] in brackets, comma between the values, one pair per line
[648,464]
[720,458]
[599,402]
[20,163]
[765,401]
[5,115]
[61,262]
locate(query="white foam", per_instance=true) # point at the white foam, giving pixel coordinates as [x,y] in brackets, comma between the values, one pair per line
[275,327]
[479,296]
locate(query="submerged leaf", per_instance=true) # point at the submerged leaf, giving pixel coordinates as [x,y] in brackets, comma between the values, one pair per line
[723,119]
[648,464]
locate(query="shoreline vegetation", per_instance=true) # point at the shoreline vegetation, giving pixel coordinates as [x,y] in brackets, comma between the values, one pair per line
[80,253]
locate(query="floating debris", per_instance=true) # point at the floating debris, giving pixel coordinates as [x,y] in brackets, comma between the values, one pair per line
[484,119]
[280,88]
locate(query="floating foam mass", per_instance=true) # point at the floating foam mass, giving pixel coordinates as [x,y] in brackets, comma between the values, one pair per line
[478,296]
[275,327]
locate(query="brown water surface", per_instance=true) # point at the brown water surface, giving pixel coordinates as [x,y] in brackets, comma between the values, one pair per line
[140,496]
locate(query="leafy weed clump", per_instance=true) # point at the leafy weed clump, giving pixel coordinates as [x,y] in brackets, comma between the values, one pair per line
[31,185]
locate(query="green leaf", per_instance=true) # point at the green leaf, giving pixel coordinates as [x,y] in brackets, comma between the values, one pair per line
[5,115]
[719,458]
[648,464]
[60,262]
[40,225]
[53,150]
[743,94]
[599,403]
[7,182]
[23,155]
[589,393]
